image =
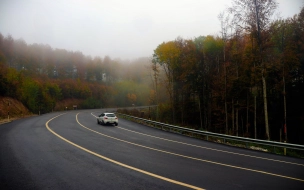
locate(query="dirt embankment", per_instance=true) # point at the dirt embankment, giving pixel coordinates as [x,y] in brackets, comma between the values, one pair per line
[12,109]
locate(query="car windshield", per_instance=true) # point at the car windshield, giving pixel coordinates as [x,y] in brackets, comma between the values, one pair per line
[110,115]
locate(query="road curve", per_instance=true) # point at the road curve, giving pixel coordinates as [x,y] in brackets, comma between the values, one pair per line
[69,150]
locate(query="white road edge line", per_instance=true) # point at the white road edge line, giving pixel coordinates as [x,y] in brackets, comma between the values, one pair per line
[228,152]
[119,163]
[189,157]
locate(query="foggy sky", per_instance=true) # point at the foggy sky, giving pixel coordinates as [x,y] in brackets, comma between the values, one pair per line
[126,29]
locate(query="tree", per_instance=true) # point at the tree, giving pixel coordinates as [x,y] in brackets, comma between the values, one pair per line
[224,29]
[254,16]
[201,80]
[131,98]
[155,79]
[167,54]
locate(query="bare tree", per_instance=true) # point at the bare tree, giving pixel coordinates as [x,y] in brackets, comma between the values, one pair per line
[155,69]
[254,16]
[224,28]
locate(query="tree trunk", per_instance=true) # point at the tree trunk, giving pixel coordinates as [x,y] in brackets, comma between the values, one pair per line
[265,105]
[155,70]
[237,104]
[237,118]
[173,100]
[183,108]
[226,115]
[254,120]
[263,70]
[226,111]
[232,116]
[200,110]
[210,111]
[247,113]
[285,111]
[204,104]
[224,27]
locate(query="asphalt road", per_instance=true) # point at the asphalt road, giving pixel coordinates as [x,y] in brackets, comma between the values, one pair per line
[69,150]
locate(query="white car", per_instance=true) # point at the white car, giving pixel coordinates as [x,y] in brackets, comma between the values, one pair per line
[107,118]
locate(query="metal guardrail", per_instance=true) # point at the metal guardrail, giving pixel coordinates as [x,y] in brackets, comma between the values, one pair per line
[173,128]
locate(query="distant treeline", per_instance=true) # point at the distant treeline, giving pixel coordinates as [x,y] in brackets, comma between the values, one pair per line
[40,76]
[249,81]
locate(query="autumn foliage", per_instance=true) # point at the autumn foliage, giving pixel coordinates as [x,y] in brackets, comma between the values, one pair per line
[46,79]
[215,83]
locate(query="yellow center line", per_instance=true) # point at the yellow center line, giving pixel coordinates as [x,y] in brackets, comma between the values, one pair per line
[197,159]
[116,162]
[228,152]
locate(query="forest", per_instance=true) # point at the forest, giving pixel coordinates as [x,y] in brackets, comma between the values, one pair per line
[46,79]
[247,81]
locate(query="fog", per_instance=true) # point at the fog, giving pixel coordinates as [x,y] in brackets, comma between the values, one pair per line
[117,28]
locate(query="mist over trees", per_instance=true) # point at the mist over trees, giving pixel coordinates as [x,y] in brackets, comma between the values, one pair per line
[40,77]
[248,81]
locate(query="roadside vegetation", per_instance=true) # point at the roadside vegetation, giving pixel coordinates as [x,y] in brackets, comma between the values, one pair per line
[248,81]
[46,79]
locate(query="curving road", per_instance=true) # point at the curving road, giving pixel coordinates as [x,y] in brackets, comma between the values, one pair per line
[69,150]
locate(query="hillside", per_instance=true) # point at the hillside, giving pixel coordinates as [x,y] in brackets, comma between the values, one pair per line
[14,107]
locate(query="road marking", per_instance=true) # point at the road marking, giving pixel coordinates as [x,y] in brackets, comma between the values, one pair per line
[202,147]
[189,157]
[116,162]
[228,152]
